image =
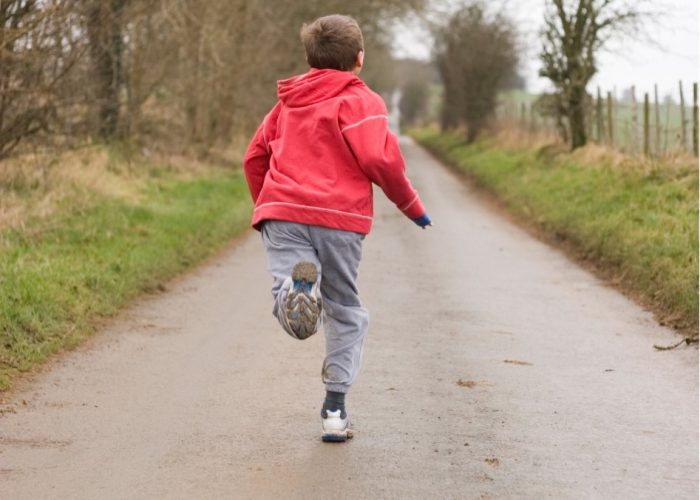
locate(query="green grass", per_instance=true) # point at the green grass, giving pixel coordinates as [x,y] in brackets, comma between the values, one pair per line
[641,225]
[59,276]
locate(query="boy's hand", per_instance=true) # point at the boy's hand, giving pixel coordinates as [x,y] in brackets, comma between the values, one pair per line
[423,221]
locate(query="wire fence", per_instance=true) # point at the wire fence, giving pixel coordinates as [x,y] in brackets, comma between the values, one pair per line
[632,123]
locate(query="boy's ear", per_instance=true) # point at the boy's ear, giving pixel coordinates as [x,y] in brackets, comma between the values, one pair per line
[359,61]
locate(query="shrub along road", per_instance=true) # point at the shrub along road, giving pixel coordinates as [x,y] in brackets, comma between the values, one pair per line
[494,367]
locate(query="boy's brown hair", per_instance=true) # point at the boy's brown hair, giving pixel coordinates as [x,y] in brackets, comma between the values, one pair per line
[332,42]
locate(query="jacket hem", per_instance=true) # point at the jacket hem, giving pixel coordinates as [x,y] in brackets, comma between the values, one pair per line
[313,216]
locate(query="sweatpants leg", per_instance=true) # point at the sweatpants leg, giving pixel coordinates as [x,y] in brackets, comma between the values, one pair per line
[337,255]
[286,243]
[345,320]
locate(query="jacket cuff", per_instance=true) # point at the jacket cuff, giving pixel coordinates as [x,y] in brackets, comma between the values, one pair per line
[415,209]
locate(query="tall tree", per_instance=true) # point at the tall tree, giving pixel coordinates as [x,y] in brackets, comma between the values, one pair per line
[105,24]
[574,32]
[476,56]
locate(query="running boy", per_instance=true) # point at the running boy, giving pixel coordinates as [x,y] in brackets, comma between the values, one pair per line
[310,169]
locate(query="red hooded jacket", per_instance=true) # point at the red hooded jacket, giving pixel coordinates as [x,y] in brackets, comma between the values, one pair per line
[316,154]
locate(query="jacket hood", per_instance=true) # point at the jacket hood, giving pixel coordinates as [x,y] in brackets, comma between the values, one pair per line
[314,86]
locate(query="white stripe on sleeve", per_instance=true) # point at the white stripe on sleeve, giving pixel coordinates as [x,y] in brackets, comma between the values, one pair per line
[372,117]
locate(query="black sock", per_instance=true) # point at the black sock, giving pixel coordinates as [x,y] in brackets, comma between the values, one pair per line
[334,401]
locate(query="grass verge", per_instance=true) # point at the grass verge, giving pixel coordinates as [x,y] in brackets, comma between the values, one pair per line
[59,275]
[636,223]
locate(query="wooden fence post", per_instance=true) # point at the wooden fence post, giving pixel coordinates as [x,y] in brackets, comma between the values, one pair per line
[616,117]
[657,121]
[668,125]
[646,123]
[599,116]
[523,119]
[590,107]
[684,138]
[695,119]
[635,121]
[609,106]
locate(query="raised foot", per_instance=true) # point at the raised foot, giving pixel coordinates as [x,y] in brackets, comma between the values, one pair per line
[303,307]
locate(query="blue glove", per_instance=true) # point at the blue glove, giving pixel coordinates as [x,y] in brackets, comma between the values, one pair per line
[423,221]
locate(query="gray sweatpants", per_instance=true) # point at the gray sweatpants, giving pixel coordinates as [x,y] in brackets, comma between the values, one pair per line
[337,256]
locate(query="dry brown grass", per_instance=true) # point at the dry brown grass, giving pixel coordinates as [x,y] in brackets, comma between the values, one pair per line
[599,155]
[513,137]
[34,185]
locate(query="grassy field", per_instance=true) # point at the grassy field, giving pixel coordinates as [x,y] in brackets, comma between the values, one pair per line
[638,222]
[99,248]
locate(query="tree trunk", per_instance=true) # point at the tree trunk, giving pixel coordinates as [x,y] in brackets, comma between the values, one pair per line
[104,24]
[577,116]
[194,47]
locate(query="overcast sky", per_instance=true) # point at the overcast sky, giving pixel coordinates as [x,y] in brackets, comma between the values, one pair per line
[668,51]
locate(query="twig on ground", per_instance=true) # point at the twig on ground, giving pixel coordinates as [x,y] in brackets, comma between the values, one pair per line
[687,340]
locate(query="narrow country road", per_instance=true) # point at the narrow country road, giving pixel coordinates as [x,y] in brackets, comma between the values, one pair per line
[494,368]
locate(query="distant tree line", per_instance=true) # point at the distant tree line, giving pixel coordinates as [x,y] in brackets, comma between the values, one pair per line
[184,71]
[476,53]
[417,81]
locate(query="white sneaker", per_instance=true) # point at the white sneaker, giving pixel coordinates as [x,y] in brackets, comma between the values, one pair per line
[335,427]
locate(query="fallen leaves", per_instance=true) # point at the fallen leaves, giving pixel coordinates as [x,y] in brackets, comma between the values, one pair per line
[466,383]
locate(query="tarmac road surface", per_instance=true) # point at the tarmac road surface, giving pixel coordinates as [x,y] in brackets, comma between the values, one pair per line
[494,368]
